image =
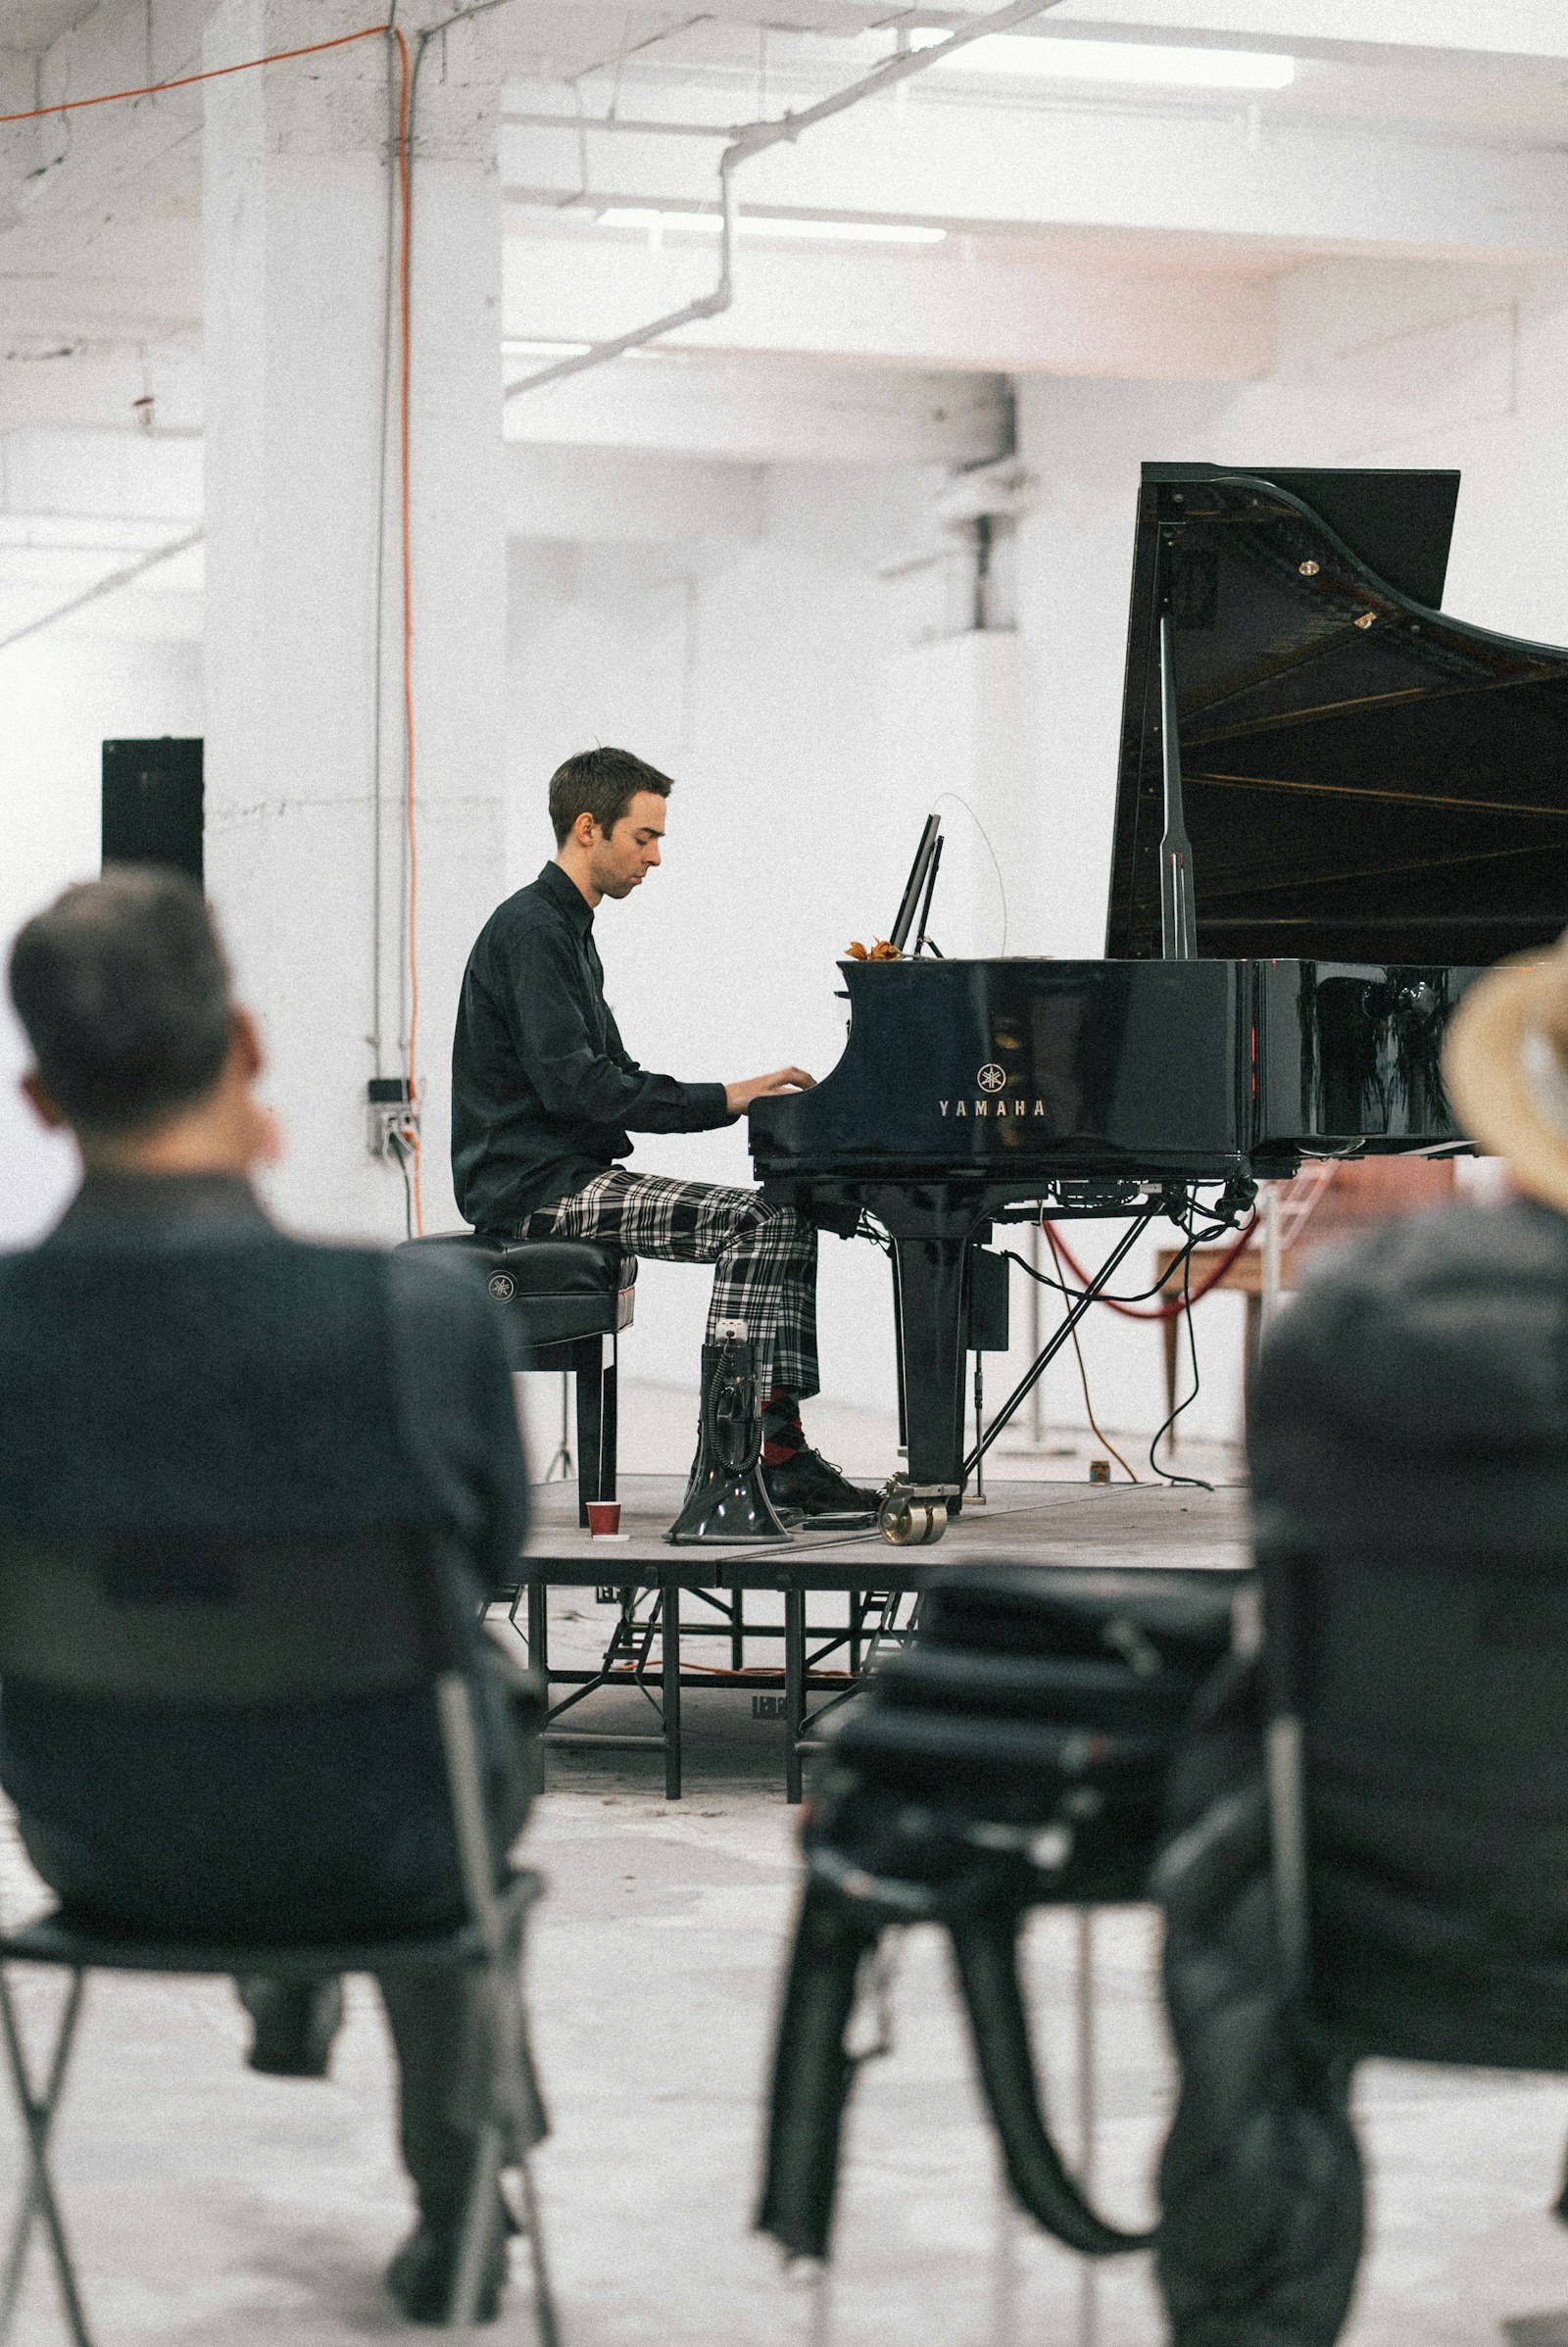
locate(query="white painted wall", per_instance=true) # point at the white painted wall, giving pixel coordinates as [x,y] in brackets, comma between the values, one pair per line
[64,696]
[788,689]
[749,670]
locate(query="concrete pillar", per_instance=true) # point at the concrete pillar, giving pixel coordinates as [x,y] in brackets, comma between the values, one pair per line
[299,532]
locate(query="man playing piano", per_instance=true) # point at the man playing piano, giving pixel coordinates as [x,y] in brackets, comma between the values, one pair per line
[545,1098]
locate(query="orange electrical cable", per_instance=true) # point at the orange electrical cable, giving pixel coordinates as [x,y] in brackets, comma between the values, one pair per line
[156,89]
[1059,1249]
[405,471]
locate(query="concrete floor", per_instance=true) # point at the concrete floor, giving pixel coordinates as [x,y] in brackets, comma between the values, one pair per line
[209,2206]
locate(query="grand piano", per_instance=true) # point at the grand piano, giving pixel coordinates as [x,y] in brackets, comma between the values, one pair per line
[1334,807]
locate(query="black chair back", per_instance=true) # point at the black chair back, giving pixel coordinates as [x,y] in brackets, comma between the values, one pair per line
[1418,1742]
[226,1621]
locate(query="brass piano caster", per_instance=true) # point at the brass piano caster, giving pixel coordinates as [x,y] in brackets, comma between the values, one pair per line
[912,1523]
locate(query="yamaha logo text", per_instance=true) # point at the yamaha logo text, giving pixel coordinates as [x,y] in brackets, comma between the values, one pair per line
[990,1080]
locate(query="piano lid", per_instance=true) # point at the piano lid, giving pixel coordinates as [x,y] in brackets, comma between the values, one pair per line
[1365,779]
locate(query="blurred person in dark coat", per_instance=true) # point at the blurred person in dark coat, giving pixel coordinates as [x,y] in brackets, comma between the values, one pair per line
[1410,1405]
[172,1364]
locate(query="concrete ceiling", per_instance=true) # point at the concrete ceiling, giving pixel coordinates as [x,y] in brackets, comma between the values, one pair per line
[33,26]
[1090,229]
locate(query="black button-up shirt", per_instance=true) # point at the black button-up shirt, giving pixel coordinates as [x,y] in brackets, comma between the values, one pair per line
[544,1093]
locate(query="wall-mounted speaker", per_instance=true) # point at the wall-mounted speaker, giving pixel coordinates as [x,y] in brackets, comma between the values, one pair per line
[152,810]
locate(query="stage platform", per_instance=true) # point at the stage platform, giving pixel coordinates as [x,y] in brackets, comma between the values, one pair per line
[669,1599]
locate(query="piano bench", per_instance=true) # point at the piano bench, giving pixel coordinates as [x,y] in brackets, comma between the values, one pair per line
[565,1302]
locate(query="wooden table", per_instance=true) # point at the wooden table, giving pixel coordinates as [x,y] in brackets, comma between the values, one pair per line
[1244,1277]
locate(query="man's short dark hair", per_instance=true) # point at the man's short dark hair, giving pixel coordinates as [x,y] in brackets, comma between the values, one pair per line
[601,783]
[123,991]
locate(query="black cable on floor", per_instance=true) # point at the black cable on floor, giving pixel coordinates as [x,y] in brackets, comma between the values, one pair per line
[1191,1483]
[1065,1287]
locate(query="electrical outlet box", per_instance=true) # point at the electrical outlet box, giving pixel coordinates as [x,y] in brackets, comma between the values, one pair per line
[394,1115]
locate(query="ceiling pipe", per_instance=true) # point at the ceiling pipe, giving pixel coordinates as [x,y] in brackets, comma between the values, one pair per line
[106,586]
[754,138]
[648,128]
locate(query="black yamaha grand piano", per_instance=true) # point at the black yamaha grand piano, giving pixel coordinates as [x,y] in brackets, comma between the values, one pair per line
[1334,807]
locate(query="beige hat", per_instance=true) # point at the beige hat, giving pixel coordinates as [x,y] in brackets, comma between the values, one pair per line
[1505,1068]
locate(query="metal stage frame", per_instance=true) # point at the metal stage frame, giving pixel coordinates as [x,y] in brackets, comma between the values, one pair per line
[669,1598]
[654,1609]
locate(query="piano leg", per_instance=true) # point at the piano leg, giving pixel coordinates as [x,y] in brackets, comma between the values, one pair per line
[932,1273]
[897,1355]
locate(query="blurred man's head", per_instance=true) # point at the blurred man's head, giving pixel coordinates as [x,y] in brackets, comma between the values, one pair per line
[124,992]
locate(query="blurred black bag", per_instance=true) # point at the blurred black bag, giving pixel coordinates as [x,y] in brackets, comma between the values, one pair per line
[1015,1757]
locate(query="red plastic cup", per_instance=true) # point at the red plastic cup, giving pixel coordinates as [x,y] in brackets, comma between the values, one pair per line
[604,1519]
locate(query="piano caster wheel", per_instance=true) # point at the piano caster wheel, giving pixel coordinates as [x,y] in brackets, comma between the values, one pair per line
[912,1523]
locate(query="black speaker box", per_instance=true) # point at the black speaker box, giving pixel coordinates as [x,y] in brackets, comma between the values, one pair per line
[152,807]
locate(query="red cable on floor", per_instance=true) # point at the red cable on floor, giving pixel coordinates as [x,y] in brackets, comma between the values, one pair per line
[1179,1303]
[1058,1250]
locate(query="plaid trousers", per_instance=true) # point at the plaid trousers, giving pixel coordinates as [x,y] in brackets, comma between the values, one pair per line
[763,1257]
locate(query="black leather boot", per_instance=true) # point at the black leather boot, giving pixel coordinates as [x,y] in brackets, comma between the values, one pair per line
[807,1482]
[421,2276]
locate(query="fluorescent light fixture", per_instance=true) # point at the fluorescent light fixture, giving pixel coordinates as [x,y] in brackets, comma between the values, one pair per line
[510,348]
[1044,58]
[755,223]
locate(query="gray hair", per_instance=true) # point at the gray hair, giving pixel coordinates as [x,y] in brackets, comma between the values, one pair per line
[125,994]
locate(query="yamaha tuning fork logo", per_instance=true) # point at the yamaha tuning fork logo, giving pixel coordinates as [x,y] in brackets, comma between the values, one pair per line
[503,1284]
[991,1083]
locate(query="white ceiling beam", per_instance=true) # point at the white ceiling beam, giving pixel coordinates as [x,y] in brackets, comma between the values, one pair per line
[731,409]
[1305,186]
[609,497]
[137,475]
[910,309]
[53,380]
[1348,30]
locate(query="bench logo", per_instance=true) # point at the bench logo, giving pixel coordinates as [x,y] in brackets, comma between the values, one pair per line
[503,1284]
[990,1077]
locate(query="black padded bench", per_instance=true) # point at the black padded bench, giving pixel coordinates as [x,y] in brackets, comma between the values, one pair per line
[566,1304]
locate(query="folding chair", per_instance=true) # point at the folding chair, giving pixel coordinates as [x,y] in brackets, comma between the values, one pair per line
[229,1624]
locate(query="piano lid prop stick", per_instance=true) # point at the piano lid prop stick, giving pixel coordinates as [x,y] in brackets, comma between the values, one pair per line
[1178,921]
